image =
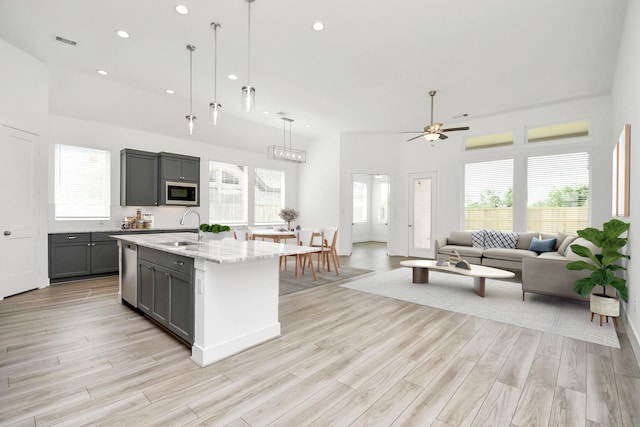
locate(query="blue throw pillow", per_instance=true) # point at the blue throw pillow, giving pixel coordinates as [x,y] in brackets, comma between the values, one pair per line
[544,245]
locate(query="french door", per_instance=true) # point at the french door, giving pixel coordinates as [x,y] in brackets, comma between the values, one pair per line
[422,208]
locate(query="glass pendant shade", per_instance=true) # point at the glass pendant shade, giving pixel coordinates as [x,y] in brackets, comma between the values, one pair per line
[431,137]
[214,109]
[248,98]
[191,122]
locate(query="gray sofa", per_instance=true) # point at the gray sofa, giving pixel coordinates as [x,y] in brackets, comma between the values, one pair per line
[542,273]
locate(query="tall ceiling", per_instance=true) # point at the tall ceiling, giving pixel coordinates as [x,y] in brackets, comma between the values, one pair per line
[370,70]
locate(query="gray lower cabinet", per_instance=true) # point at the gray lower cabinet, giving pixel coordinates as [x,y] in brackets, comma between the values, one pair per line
[69,255]
[166,291]
[73,255]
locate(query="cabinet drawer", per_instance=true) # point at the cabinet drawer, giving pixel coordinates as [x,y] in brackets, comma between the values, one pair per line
[153,255]
[70,238]
[102,237]
[180,263]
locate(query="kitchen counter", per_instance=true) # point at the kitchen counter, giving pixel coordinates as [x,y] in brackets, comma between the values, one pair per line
[217,251]
[235,289]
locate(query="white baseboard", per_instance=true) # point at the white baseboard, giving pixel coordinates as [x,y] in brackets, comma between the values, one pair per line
[632,334]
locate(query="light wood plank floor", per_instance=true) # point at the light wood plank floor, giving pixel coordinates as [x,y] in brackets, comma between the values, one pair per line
[70,355]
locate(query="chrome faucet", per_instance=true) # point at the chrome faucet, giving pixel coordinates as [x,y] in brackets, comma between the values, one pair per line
[200,234]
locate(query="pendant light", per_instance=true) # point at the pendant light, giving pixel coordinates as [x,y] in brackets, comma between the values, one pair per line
[214,107]
[283,152]
[191,119]
[248,91]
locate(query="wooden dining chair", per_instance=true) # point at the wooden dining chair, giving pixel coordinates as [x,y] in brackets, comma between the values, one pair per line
[305,238]
[241,234]
[329,254]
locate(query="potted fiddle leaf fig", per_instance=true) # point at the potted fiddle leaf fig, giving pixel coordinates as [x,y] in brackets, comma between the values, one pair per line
[603,267]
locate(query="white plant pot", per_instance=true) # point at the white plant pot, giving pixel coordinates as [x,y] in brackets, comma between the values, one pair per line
[217,236]
[604,305]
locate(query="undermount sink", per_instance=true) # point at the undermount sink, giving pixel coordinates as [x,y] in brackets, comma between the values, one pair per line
[180,243]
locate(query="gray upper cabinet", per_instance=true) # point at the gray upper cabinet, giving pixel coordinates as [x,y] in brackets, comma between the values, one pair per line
[138,178]
[175,167]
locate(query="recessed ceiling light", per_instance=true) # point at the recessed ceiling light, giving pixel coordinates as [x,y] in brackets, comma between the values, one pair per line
[265,112]
[232,77]
[170,91]
[102,72]
[307,125]
[182,9]
[318,26]
[122,34]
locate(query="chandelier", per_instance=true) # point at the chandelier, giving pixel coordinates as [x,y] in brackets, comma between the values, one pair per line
[282,152]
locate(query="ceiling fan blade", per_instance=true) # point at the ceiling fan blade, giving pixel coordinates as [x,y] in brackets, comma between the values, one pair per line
[413,131]
[455,129]
[443,136]
[415,137]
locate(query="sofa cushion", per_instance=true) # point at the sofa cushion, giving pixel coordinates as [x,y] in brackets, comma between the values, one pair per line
[477,239]
[460,238]
[571,256]
[567,240]
[524,240]
[552,255]
[542,245]
[508,254]
[463,251]
[500,239]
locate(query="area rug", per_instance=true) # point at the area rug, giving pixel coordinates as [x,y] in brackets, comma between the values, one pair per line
[502,303]
[289,283]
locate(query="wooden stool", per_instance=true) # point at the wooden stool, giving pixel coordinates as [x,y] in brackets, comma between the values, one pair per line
[615,319]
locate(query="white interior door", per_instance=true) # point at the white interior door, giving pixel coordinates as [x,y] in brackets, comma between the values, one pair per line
[19,217]
[422,201]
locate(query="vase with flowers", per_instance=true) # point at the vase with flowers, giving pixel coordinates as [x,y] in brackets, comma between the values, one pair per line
[288,215]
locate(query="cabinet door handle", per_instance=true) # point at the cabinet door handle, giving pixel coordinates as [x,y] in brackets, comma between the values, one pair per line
[72,237]
[180,263]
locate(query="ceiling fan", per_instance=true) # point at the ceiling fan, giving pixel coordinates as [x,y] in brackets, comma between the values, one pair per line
[434,131]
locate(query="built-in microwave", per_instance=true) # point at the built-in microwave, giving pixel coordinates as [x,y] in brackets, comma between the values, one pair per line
[181,193]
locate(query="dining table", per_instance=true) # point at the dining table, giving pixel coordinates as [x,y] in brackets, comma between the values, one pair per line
[275,235]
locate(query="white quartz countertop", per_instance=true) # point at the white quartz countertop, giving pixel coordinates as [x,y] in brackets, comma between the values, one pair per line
[219,251]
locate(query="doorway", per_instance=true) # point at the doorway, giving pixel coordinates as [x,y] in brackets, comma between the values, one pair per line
[422,205]
[370,215]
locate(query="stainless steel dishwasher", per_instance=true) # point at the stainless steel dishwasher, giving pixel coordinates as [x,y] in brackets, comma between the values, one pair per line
[130,273]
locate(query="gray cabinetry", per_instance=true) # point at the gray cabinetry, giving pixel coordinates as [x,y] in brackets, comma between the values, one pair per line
[69,255]
[166,291]
[138,178]
[176,167]
[104,254]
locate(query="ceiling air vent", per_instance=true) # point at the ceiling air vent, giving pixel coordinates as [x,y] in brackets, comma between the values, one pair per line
[67,41]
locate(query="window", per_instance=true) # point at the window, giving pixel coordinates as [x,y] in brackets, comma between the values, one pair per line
[558,192]
[383,206]
[360,211]
[561,131]
[269,196]
[488,195]
[228,189]
[82,187]
[489,141]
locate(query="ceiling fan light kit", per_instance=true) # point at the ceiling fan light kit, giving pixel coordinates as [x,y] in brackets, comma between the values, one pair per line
[434,131]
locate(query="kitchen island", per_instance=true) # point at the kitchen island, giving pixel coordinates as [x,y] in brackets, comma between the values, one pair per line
[233,289]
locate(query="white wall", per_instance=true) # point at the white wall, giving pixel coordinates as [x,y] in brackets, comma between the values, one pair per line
[73,131]
[392,154]
[626,109]
[318,200]
[24,105]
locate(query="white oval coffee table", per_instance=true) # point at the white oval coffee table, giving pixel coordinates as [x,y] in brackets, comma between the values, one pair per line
[479,273]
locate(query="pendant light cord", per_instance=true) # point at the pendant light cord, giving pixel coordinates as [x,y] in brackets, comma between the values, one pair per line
[249,46]
[215,61]
[190,80]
